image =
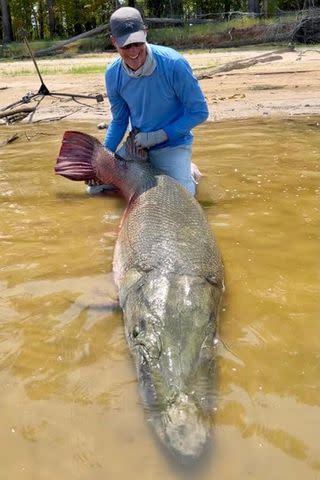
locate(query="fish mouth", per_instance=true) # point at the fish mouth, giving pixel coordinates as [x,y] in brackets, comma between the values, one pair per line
[183,429]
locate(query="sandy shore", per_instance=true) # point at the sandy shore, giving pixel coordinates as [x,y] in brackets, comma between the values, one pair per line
[284,87]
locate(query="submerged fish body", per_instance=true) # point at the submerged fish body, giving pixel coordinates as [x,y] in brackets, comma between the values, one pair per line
[170,278]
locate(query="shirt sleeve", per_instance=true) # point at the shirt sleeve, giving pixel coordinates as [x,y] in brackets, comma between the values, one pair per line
[188,91]
[120,116]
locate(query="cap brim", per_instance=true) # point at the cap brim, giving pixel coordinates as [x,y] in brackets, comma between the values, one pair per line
[135,37]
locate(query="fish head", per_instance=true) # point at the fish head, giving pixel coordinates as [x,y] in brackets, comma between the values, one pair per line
[171,324]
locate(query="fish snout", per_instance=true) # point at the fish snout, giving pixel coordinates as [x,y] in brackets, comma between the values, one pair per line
[186,431]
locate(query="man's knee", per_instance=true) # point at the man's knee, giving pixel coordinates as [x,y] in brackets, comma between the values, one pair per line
[176,163]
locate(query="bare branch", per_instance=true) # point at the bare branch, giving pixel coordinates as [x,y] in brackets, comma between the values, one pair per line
[15,111]
[8,140]
[245,63]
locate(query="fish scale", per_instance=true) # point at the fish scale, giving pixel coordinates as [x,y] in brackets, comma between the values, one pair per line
[166,229]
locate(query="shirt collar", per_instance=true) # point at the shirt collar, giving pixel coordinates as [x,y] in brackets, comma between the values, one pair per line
[146,69]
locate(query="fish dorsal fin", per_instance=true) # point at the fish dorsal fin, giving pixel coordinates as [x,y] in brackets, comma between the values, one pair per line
[132,151]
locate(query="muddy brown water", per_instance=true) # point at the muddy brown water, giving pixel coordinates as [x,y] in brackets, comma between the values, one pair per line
[69,406]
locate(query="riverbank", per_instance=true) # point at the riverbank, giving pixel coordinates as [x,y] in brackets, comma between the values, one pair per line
[285,87]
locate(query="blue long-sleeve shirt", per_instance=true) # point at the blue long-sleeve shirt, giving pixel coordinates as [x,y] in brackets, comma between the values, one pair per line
[169,99]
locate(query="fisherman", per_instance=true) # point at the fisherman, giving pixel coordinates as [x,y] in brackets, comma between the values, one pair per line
[153,88]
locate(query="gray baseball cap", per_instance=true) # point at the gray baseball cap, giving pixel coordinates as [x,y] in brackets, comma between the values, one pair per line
[127,27]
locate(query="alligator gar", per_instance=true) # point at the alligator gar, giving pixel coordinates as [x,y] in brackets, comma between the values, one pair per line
[169,273]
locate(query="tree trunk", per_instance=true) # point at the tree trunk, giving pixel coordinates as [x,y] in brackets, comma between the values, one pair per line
[40,18]
[253,7]
[132,3]
[51,18]
[227,8]
[35,21]
[6,22]
[178,8]
[265,7]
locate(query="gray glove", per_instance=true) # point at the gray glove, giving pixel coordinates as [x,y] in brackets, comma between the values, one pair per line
[149,139]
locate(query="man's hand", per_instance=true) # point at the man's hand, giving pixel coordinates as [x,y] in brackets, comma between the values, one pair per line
[93,182]
[149,139]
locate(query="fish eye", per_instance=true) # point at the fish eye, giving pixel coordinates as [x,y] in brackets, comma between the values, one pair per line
[135,331]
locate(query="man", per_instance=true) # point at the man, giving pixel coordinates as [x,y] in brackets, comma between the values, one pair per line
[153,88]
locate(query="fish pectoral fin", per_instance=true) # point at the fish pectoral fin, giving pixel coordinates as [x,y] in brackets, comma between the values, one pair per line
[216,281]
[225,351]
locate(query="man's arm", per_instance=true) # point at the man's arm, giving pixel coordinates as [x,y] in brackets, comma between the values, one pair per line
[190,94]
[195,110]
[120,117]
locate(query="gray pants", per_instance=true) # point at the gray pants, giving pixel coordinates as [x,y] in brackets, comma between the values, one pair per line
[176,163]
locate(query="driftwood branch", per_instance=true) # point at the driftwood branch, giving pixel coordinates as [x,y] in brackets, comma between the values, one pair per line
[61,45]
[165,21]
[55,119]
[8,140]
[17,111]
[245,63]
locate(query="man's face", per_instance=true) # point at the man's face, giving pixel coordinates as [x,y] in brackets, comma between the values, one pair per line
[134,54]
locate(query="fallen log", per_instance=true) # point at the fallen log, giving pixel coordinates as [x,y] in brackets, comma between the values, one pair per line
[308,29]
[96,31]
[61,45]
[245,63]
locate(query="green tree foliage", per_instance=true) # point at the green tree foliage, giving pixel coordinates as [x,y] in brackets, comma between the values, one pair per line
[164,8]
[48,19]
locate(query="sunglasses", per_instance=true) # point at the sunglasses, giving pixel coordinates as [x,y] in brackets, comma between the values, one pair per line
[135,44]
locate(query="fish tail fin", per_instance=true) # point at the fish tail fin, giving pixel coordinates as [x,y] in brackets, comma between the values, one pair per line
[77,156]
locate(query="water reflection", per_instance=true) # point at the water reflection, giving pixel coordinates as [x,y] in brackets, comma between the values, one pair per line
[69,401]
